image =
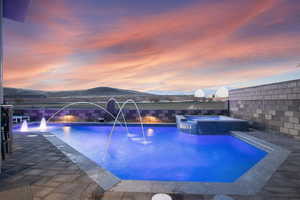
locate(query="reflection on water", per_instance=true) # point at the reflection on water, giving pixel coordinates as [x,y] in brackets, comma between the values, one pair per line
[150,132]
[67,131]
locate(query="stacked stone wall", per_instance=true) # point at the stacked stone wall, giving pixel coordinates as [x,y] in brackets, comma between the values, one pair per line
[274,107]
[92,115]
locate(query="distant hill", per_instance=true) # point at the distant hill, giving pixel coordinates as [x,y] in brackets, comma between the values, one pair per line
[170,92]
[16,92]
[98,91]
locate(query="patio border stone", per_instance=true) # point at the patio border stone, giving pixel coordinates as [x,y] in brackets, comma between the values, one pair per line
[102,177]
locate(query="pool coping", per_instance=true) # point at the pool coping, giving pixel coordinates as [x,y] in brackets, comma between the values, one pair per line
[100,123]
[249,183]
[229,119]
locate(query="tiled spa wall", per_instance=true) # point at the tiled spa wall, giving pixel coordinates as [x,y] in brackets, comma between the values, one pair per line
[131,115]
[274,107]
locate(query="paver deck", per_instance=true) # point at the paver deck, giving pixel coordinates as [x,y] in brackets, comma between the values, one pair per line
[46,174]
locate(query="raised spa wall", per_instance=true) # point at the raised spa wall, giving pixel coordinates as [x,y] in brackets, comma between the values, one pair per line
[203,125]
[274,107]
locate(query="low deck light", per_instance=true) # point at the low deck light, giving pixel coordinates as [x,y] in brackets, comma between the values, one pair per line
[161,196]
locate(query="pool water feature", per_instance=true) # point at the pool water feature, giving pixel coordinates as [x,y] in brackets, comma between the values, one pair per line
[43,125]
[142,140]
[171,156]
[116,121]
[24,126]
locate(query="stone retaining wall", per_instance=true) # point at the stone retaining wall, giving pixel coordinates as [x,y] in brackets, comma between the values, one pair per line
[274,107]
[130,115]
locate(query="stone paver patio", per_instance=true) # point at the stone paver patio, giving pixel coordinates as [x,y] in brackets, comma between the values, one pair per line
[38,170]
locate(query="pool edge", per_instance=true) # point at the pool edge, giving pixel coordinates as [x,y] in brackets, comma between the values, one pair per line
[249,183]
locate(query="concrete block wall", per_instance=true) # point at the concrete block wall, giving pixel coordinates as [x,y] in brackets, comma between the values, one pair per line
[274,107]
[131,115]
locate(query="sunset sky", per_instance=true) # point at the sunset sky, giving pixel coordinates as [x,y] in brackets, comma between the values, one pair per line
[169,45]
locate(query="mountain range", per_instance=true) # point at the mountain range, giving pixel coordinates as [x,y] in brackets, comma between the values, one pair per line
[98,91]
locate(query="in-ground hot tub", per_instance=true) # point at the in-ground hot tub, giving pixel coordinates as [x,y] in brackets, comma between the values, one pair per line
[201,124]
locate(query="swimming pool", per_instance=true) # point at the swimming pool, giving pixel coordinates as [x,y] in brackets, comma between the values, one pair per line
[171,156]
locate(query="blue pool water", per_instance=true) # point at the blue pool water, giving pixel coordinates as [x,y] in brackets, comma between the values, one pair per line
[171,156]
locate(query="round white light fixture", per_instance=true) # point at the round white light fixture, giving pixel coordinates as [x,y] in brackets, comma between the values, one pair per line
[161,196]
[199,93]
[222,92]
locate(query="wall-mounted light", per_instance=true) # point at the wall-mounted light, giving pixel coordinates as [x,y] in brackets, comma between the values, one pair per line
[151,119]
[68,118]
